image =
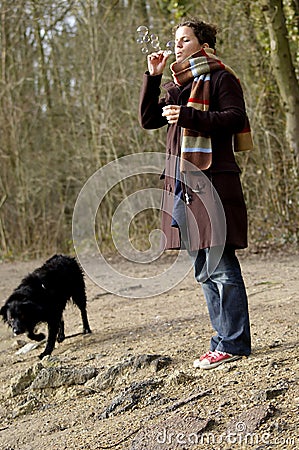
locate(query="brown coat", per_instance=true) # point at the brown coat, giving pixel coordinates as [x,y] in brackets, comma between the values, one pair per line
[225,117]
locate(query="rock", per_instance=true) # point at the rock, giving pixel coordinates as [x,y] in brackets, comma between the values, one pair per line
[23,380]
[130,397]
[259,396]
[273,364]
[158,362]
[269,394]
[51,361]
[250,420]
[54,377]
[275,343]
[25,408]
[179,431]
[110,377]
[275,392]
[161,363]
[179,377]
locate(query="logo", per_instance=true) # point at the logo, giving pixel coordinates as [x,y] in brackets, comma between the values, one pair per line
[140,282]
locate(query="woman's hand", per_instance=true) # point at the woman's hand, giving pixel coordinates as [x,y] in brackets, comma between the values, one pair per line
[171,112]
[156,62]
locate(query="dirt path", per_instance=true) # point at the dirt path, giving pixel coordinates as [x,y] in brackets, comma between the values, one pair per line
[149,402]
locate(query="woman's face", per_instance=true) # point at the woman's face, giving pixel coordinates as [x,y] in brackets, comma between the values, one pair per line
[186,43]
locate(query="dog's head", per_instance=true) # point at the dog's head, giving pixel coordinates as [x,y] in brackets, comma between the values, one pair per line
[19,313]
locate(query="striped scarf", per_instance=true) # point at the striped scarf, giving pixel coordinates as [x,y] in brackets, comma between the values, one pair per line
[196,147]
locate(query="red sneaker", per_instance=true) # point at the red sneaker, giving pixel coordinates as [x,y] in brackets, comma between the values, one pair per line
[213,359]
[196,363]
[205,355]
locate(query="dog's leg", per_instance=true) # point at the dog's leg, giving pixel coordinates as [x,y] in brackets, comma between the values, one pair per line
[53,328]
[86,327]
[61,335]
[79,298]
[36,337]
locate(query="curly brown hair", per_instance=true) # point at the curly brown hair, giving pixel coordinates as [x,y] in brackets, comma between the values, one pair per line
[205,32]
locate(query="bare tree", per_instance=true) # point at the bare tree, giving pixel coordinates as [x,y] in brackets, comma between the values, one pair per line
[283,68]
[70,76]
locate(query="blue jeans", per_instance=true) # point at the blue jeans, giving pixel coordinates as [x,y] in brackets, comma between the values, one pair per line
[226,298]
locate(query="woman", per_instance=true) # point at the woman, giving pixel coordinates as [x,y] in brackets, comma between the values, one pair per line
[204,110]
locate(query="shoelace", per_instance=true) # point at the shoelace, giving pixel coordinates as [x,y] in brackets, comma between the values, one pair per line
[206,354]
[216,354]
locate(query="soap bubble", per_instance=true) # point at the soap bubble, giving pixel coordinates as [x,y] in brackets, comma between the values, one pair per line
[148,41]
[156,45]
[155,42]
[142,30]
[143,38]
[170,47]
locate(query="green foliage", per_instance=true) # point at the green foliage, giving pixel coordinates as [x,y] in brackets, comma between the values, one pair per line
[174,9]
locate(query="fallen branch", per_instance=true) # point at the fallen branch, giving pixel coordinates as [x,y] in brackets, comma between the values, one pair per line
[184,402]
[171,408]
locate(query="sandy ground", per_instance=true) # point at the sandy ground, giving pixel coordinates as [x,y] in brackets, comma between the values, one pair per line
[146,406]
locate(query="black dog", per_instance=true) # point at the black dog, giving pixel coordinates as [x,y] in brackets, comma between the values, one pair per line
[42,297]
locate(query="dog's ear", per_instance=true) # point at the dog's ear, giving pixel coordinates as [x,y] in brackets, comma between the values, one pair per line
[16,296]
[3,312]
[30,309]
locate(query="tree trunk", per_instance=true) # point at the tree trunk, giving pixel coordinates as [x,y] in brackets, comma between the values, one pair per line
[283,69]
